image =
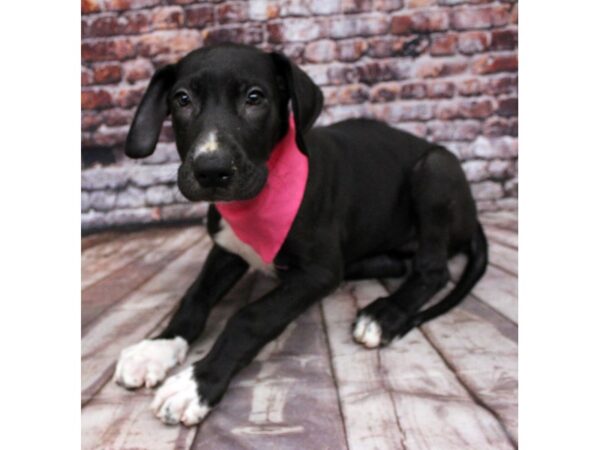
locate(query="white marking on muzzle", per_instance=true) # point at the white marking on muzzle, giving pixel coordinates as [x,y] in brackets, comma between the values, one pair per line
[208,145]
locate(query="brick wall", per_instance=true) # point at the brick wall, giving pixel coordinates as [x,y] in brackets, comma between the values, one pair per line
[443,69]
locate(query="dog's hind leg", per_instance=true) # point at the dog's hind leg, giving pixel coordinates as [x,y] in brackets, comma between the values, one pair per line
[437,193]
[381,266]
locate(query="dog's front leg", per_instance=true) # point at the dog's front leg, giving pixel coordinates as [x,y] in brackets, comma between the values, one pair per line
[188,396]
[147,362]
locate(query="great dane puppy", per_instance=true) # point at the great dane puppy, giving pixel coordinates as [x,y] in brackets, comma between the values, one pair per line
[373,199]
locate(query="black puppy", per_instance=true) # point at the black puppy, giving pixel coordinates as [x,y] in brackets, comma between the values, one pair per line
[375,198]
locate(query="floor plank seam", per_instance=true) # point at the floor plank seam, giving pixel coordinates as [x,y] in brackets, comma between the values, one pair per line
[476,399]
[127,262]
[387,389]
[495,240]
[333,373]
[503,269]
[89,326]
[493,309]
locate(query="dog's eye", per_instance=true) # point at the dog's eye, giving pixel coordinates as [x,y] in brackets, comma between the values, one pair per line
[254,97]
[182,99]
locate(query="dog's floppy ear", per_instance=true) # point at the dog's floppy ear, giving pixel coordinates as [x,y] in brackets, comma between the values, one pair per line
[147,123]
[306,96]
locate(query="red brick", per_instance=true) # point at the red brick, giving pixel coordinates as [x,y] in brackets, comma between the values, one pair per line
[355,6]
[441,89]
[349,95]
[402,24]
[500,126]
[107,73]
[106,50]
[437,68]
[473,42]
[460,130]
[102,25]
[95,99]
[232,12]
[135,22]
[385,92]
[87,76]
[386,5]
[351,50]
[338,75]
[90,6]
[90,120]
[301,29]
[117,117]
[167,18]
[376,71]
[138,69]
[199,16]
[470,87]
[351,26]
[443,44]
[122,5]
[420,21]
[408,45]
[495,63]
[172,42]
[403,111]
[320,51]
[294,51]
[508,107]
[501,85]
[483,17]
[129,96]
[420,3]
[504,40]
[413,90]
[465,109]
[275,33]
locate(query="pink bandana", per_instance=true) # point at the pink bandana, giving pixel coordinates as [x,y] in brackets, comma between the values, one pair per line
[264,221]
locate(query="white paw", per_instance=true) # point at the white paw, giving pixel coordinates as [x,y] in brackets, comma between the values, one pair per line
[177,400]
[147,362]
[367,331]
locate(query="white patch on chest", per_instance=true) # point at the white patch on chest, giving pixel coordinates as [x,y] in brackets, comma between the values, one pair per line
[227,239]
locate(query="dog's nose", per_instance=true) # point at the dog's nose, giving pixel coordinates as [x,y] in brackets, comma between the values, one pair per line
[213,172]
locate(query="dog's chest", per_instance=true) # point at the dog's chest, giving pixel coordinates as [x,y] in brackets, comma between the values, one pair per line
[227,239]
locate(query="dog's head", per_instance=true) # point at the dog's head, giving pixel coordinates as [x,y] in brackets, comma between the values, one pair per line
[229,107]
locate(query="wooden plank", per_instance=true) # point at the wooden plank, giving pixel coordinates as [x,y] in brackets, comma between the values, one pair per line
[103,260]
[506,220]
[113,288]
[497,288]
[116,418]
[136,317]
[285,399]
[504,258]
[402,396]
[483,358]
[505,237]
[92,240]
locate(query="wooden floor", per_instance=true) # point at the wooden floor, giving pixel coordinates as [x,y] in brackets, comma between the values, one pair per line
[451,384]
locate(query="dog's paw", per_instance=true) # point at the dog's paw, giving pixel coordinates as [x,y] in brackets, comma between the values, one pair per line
[178,400]
[147,362]
[367,331]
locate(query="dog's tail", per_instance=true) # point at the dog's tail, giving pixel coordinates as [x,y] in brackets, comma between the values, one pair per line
[474,270]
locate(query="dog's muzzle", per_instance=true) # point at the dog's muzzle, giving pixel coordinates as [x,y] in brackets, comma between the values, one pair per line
[214,170]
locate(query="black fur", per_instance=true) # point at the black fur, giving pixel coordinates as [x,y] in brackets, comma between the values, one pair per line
[376,199]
